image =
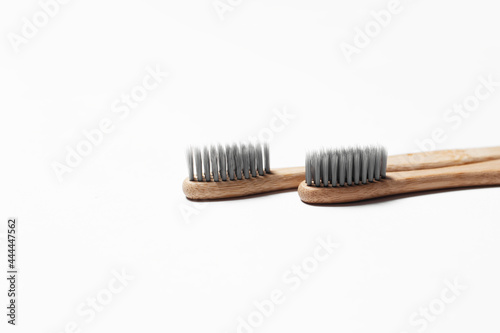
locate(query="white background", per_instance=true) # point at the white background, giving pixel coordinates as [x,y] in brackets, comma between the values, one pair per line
[122,207]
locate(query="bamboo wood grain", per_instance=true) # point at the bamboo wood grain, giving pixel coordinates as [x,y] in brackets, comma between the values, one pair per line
[441,159]
[278,179]
[474,174]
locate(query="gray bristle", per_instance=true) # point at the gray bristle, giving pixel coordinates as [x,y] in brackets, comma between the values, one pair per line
[231,165]
[260,159]
[350,167]
[325,169]
[206,163]
[317,168]
[334,167]
[357,167]
[342,168]
[346,166]
[230,162]
[378,166]
[189,158]
[364,166]
[222,162]
[246,160]
[197,161]
[371,164]
[308,169]
[238,160]
[251,156]
[214,160]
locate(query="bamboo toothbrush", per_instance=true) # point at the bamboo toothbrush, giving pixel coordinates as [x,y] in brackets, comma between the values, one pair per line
[235,170]
[355,174]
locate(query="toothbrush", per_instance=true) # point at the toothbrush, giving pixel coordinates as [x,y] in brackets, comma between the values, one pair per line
[235,170]
[367,173]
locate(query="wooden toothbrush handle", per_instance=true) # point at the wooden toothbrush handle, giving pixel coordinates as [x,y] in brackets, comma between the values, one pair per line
[441,159]
[278,179]
[475,174]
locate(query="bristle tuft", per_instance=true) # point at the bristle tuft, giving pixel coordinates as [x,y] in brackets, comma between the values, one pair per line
[345,166]
[230,162]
